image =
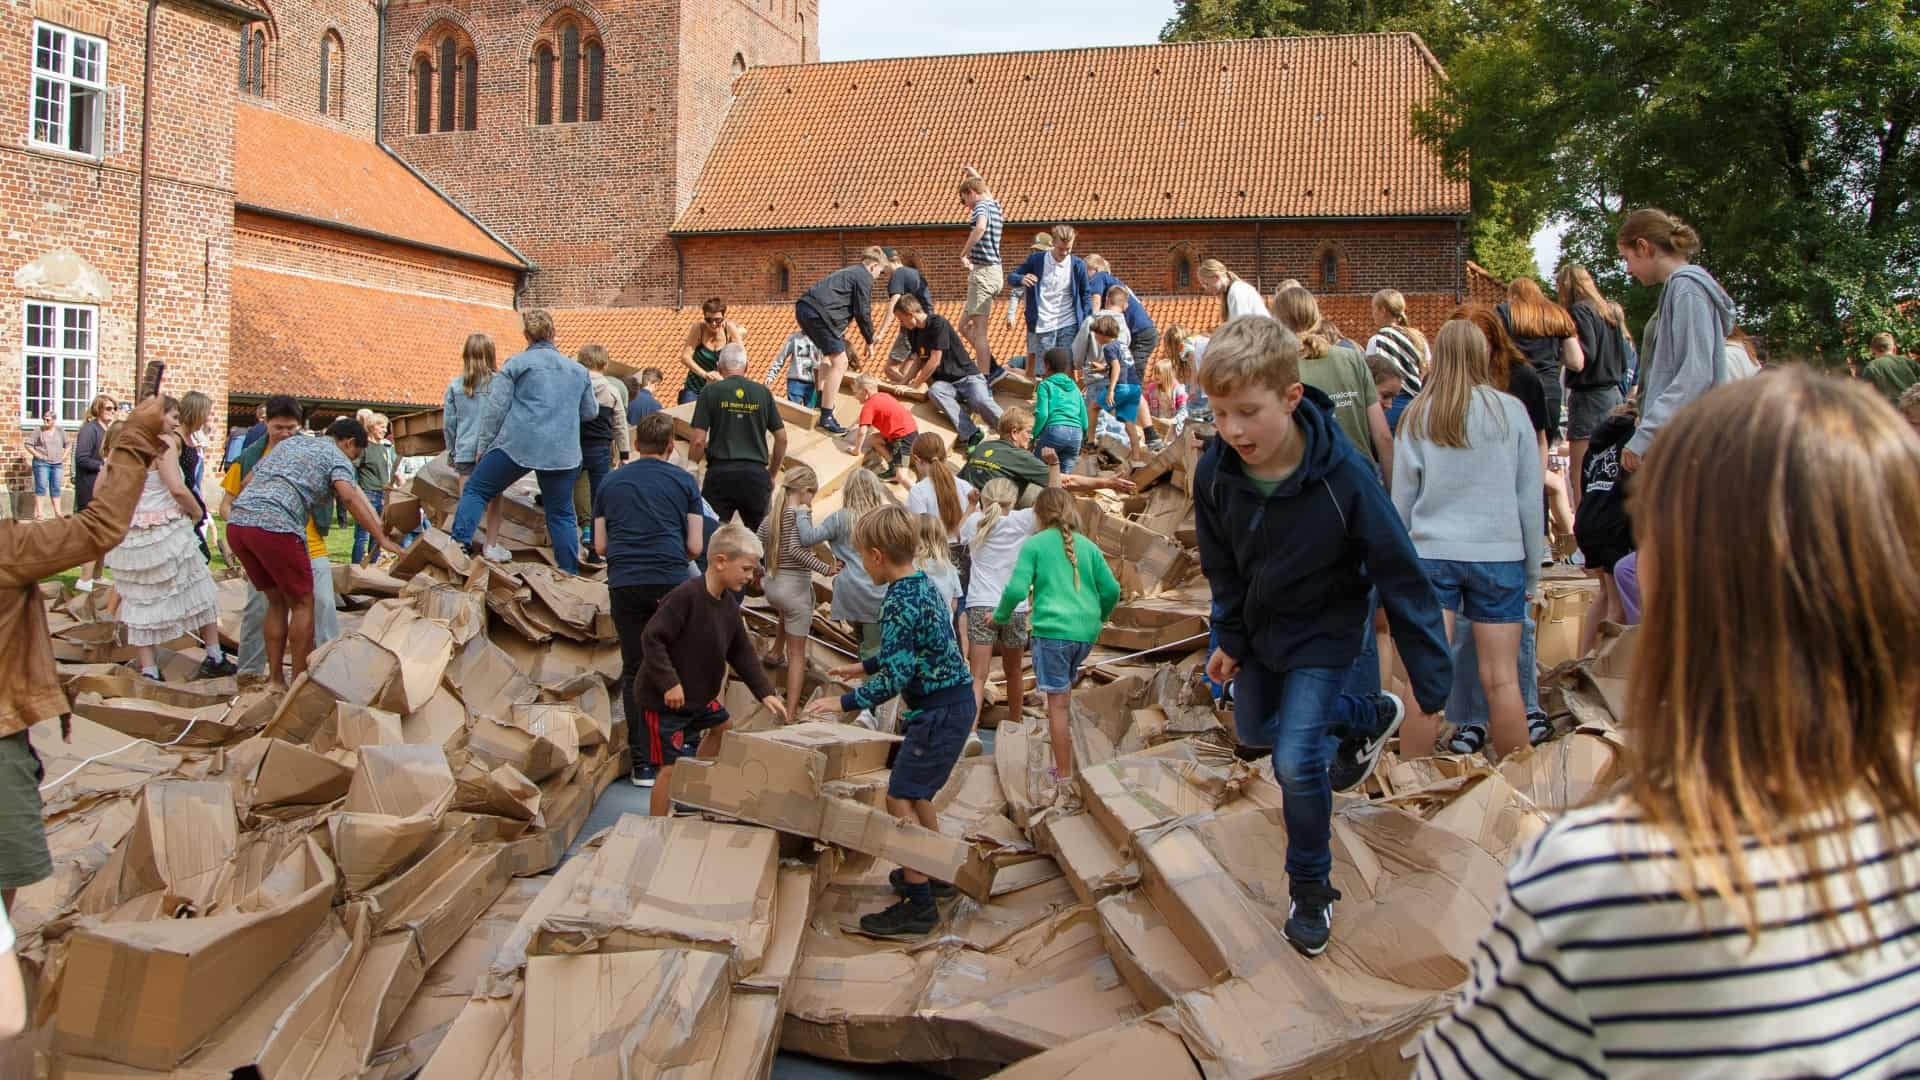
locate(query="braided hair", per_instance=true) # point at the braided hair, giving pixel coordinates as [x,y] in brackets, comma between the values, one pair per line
[1054,509]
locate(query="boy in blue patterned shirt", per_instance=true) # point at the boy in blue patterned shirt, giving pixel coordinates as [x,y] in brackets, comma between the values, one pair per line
[919,659]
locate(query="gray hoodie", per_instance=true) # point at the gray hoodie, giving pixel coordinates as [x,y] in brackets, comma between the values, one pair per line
[1686,360]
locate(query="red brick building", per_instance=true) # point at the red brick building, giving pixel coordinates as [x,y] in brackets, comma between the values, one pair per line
[81,291]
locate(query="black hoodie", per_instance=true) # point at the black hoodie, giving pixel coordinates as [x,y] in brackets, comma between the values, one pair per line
[1290,571]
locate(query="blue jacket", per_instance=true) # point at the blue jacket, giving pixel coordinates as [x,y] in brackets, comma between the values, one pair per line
[1138,320]
[534,409]
[1290,571]
[643,403]
[1036,265]
[460,421]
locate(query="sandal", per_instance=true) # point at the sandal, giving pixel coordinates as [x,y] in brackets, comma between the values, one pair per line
[1467,740]
[1539,730]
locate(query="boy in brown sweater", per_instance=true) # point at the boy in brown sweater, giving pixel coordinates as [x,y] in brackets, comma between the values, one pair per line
[693,637]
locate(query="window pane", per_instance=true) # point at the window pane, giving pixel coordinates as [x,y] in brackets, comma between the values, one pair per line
[543,88]
[85,60]
[78,330]
[596,78]
[470,103]
[49,51]
[423,97]
[39,326]
[76,386]
[246,59]
[39,385]
[259,63]
[49,111]
[447,72]
[569,75]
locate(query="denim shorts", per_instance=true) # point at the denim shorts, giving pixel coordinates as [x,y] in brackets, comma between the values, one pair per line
[1124,404]
[1587,409]
[46,477]
[800,391]
[1066,441]
[1481,592]
[1056,662]
[934,739]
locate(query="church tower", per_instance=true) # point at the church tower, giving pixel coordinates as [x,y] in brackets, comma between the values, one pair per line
[577,129]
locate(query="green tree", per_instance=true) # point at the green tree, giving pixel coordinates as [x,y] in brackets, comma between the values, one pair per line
[1786,131]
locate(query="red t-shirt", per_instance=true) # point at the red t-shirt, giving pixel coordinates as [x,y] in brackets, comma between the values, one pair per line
[884,413]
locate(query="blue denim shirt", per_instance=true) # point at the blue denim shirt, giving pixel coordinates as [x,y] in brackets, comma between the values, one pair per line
[534,408]
[460,421]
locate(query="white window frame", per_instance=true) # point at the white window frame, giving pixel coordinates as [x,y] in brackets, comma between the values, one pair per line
[59,70]
[75,368]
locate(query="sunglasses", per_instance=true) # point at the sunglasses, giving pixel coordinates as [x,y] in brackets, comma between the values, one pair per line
[713,320]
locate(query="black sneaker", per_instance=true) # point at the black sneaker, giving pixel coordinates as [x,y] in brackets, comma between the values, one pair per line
[831,425]
[1355,759]
[642,775]
[904,919]
[941,890]
[1310,918]
[215,669]
[975,439]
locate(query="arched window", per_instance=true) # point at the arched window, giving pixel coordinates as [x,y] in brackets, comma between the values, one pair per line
[782,279]
[422,96]
[739,65]
[326,73]
[253,60]
[543,84]
[1182,272]
[570,74]
[596,78]
[449,71]
[1329,269]
[333,76]
[470,86]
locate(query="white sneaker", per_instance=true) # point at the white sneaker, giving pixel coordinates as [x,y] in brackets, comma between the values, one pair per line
[496,553]
[83,585]
[974,746]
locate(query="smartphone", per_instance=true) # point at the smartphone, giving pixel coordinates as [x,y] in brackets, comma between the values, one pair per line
[150,381]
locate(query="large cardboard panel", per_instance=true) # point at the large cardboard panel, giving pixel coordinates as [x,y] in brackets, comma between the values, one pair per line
[671,883]
[849,748]
[1205,908]
[176,858]
[1092,862]
[391,812]
[624,1014]
[1138,1050]
[1145,950]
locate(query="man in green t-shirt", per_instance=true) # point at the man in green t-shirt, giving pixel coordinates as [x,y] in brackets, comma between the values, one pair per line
[1888,371]
[1010,456]
[731,424]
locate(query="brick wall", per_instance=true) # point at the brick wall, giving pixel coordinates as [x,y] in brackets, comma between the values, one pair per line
[329,254]
[51,202]
[1418,258]
[712,34]
[295,33]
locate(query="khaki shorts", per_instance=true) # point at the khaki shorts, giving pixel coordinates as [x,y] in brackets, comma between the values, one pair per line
[982,630]
[24,858]
[790,592]
[983,284]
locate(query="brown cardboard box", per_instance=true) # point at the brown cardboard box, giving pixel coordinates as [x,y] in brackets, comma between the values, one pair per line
[614,1014]
[849,750]
[418,434]
[1145,950]
[423,647]
[1154,623]
[1205,908]
[1092,862]
[1560,614]
[1137,1050]
[268,772]
[392,810]
[1143,790]
[146,993]
[537,740]
[157,721]
[669,883]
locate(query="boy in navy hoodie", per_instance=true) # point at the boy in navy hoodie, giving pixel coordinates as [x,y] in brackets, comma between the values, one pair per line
[1294,530]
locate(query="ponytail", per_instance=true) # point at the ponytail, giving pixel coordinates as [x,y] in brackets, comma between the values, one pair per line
[1054,510]
[930,460]
[997,497]
[1296,309]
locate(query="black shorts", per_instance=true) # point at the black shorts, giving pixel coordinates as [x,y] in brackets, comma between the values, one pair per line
[742,487]
[83,488]
[934,740]
[673,734]
[825,337]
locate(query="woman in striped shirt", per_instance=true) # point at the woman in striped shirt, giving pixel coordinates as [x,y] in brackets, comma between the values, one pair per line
[1750,905]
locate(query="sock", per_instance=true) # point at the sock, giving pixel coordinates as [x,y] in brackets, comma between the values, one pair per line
[151,673]
[214,652]
[920,896]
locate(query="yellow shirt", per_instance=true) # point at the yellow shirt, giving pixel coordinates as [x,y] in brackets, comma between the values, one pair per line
[316,544]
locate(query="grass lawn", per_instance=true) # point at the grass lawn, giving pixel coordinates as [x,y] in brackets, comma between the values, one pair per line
[339,547]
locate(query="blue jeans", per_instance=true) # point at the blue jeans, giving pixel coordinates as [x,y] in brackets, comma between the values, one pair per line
[1056,662]
[1038,343]
[1363,678]
[495,473]
[1065,439]
[800,392]
[46,478]
[596,462]
[1467,701]
[362,539]
[1302,714]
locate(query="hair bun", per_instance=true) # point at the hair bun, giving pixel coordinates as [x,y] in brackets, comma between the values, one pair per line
[1686,241]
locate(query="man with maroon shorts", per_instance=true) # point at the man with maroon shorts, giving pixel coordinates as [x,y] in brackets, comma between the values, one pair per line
[267,531]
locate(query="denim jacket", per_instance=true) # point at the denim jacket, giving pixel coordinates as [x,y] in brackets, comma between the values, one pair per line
[460,421]
[534,408]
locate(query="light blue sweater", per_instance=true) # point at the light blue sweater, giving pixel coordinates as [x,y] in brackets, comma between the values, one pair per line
[1478,503]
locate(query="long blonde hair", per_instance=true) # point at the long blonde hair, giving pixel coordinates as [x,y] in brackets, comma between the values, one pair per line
[476,364]
[1574,284]
[795,478]
[1817,706]
[1217,269]
[1054,510]
[930,461]
[1298,311]
[863,494]
[930,543]
[996,501]
[1461,362]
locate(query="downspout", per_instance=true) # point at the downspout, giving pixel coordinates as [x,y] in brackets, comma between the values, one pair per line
[146,153]
[1259,258]
[1459,266]
[679,275]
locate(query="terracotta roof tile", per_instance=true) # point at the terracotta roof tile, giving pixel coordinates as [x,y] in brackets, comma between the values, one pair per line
[327,340]
[294,166]
[1272,128]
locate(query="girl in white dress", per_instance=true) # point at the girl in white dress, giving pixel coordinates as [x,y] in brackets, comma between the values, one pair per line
[164,587]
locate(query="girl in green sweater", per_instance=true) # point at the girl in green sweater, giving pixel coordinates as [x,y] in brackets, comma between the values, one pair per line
[1059,409]
[1073,592]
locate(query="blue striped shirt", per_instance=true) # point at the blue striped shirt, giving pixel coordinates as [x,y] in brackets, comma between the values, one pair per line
[986,250]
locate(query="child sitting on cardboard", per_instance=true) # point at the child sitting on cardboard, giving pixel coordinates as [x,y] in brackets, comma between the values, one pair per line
[919,659]
[693,637]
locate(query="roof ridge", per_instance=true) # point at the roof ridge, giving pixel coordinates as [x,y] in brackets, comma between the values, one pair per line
[1214,43]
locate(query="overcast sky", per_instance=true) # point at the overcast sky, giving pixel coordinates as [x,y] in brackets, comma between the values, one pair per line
[864,29]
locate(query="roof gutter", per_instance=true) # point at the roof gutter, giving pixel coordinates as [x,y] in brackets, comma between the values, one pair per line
[373,234]
[379,110]
[1079,222]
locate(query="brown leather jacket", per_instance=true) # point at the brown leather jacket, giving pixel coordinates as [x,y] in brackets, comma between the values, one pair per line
[31,550]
